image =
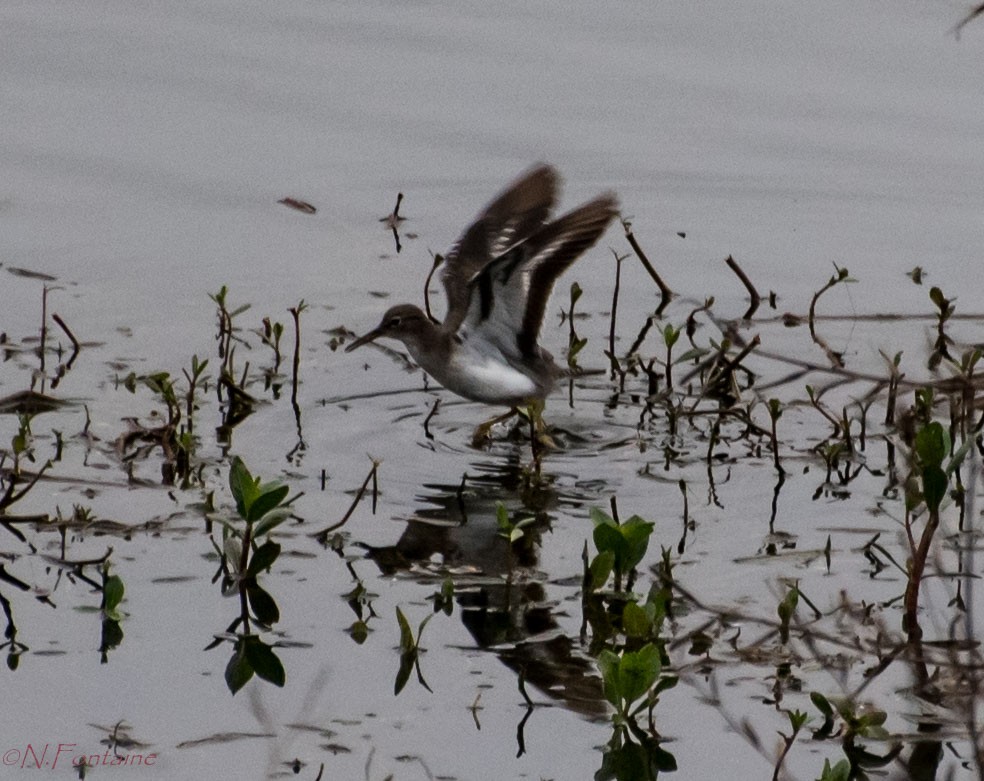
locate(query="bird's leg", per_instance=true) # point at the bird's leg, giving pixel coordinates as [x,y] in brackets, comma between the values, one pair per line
[538,428]
[534,413]
[482,432]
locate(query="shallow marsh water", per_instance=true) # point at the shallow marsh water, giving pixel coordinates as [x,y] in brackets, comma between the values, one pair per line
[144,151]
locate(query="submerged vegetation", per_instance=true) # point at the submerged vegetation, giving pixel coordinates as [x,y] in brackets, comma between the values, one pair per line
[703,411]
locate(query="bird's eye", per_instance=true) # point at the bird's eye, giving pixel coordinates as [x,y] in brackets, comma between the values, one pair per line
[393,322]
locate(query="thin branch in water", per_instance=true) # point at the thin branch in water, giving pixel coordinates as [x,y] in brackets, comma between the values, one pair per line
[665,293]
[974,13]
[752,292]
[322,536]
[438,260]
[71,336]
[295,312]
[431,414]
[614,316]
[834,358]
[393,220]
[44,333]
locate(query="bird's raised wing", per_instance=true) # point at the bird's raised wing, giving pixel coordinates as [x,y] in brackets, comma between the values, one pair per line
[508,297]
[513,215]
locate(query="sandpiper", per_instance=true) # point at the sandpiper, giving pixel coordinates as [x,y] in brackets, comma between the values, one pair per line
[498,278]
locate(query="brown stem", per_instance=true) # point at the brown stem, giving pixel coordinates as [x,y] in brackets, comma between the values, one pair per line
[664,290]
[755,298]
[71,336]
[438,260]
[322,536]
[295,312]
[44,331]
[614,315]
[833,357]
[912,628]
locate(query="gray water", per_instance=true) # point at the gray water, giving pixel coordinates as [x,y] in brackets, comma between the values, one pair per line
[143,153]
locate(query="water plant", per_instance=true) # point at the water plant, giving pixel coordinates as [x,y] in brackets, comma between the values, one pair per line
[512,530]
[621,546]
[175,436]
[631,676]
[856,723]
[633,682]
[575,343]
[112,595]
[228,334]
[932,466]
[410,651]
[261,507]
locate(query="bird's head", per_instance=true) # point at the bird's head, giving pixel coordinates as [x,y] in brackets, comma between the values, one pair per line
[405,322]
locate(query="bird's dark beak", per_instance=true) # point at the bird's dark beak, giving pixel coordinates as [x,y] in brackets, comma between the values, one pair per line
[374,334]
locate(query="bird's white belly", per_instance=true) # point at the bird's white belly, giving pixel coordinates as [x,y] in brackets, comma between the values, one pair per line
[480,376]
[492,382]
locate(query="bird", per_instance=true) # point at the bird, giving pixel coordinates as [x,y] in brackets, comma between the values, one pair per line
[498,277]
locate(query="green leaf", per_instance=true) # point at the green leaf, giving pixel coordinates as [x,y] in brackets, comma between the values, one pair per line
[263,558]
[264,608]
[638,671]
[670,335]
[822,704]
[608,538]
[239,670]
[636,532]
[265,662]
[657,602]
[959,454]
[691,355]
[502,517]
[608,663]
[839,772]
[599,517]
[233,550]
[934,486]
[112,593]
[873,719]
[797,719]
[788,605]
[242,485]
[268,497]
[406,633]
[635,620]
[407,661]
[271,521]
[932,444]
[601,569]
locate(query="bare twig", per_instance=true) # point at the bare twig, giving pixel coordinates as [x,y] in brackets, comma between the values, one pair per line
[438,260]
[322,536]
[752,292]
[665,293]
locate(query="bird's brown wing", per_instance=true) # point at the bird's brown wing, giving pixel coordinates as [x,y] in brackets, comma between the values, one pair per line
[509,296]
[516,213]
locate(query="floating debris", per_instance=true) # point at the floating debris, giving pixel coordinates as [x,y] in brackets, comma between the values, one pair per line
[301,206]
